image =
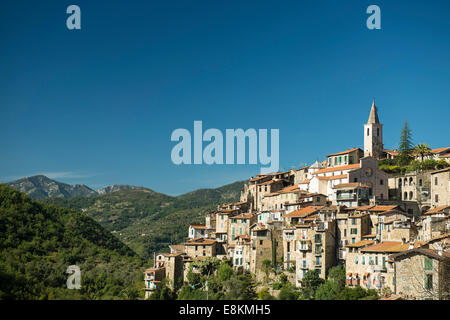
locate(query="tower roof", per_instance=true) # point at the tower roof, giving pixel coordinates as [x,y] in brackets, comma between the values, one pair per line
[373,116]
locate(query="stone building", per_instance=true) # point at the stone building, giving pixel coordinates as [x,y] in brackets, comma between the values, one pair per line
[153,278]
[440,187]
[421,273]
[200,247]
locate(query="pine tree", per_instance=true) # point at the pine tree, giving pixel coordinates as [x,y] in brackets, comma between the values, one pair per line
[405,147]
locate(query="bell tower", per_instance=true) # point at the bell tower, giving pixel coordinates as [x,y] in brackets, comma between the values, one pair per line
[373,134]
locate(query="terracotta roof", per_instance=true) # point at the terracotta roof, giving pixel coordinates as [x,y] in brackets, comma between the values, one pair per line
[304,181]
[382,208]
[198,226]
[360,244]
[437,209]
[392,246]
[350,185]
[303,212]
[153,269]
[200,241]
[341,176]
[344,152]
[434,254]
[331,169]
[369,236]
[439,150]
[361,208]
[443,236]
[393,152]
[441,170]
[177,247]
[445,155]
[290,189]
[244,216]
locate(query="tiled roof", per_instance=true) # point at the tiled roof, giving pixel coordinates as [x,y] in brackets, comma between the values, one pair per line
[383,246]
[344,152]
[382,208]
[423,251]
[198,226]
[200,241]
[331,169]
[244,216]
[441,170]
[341,176]
[360,244]
[290,189]
[437,209]
[392,246]
[303,212]
[351,185]
[439,150]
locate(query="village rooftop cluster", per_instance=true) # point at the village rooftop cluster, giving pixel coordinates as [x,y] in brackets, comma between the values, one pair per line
[390,231]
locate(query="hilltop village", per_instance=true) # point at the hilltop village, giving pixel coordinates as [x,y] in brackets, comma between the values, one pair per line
[389,231]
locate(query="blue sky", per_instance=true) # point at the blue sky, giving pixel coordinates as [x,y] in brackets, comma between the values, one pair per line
[98,105]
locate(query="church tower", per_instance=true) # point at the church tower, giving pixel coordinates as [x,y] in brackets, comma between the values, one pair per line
[373,134]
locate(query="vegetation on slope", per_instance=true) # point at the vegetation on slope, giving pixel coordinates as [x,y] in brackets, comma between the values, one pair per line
[39,241]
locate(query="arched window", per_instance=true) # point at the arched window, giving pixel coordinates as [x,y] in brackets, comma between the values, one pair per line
[400,182]
[405,183]
[410,181]
[405,196]
[420,182]
[410,195]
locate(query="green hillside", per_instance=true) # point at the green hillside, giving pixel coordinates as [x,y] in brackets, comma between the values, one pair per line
[39,241]
[148,221]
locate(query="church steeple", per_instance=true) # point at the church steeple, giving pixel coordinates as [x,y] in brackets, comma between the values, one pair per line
[373,134]
[373,116]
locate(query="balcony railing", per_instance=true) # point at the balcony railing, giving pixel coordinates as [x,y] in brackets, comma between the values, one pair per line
[345,196]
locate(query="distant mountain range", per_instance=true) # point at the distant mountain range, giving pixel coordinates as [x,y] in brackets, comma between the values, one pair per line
[41,187]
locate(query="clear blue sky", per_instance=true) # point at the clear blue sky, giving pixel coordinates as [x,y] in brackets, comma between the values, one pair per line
[98,105]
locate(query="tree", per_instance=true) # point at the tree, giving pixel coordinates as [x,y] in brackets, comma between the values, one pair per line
[405,146]
[287,293]
[265,295]
[310,283]
[326,291]
[225,272]
[423,150]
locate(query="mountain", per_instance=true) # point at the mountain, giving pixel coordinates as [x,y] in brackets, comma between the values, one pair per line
[117,187]
[42,187]
[39,241]
[149,221]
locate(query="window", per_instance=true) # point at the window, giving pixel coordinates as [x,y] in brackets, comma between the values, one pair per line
[355,179]
[363,260]
[436,181]
[356,259]
[420,182]
[381,196]
[428,282]
[436,198]
[260,242]
[399,182]
[428,264]
[378,132]
[410,195]
[376,260]
[353,240]
[351,160]
[405,196]
[381,182]
[353,221]
[367,131]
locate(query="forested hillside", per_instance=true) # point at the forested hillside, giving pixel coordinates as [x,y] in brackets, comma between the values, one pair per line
[39,241]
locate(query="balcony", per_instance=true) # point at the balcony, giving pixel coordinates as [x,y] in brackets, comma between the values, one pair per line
[346,196]
[304,266]
[304,248]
